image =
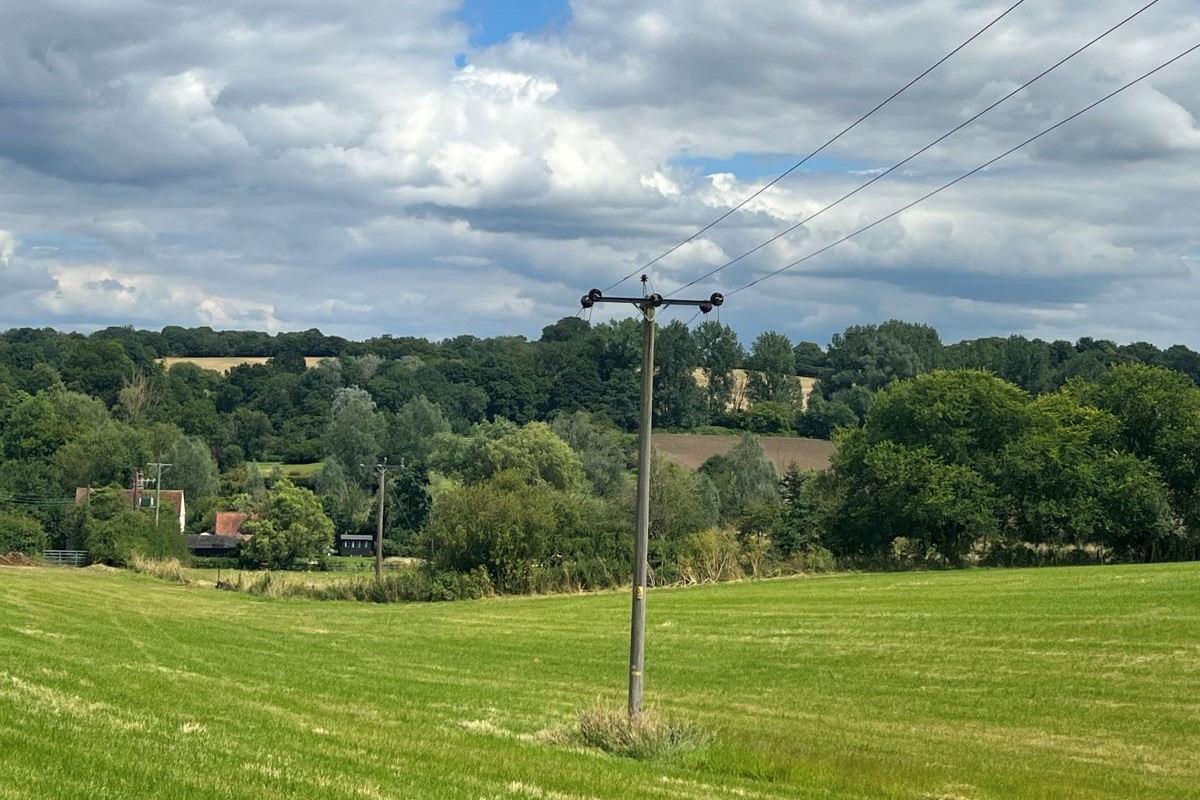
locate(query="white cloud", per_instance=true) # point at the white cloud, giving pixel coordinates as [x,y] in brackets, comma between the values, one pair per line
[247,165]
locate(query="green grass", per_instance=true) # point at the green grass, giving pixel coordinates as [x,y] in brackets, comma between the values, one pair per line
[290,471]
[1052,683]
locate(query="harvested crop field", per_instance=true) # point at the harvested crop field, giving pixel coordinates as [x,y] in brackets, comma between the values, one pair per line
[223,365]
[692,450]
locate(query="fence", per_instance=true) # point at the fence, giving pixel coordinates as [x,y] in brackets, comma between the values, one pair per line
[66,558]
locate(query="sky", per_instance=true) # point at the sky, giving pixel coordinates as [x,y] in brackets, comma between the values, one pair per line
[434,167]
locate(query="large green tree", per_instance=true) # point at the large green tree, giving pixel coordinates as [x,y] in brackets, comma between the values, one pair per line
[291,529]
[354,435]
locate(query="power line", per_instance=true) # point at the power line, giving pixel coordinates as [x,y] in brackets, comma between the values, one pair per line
[919,152]
[820,149]
[966,175]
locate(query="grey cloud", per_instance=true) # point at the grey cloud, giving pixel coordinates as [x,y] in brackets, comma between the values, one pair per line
[107,285]
[326,159]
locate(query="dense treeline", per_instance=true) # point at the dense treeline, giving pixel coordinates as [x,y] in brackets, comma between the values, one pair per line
[517,454]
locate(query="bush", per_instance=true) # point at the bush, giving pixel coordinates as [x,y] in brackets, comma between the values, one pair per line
[216,562]
[21,534]
[710,556]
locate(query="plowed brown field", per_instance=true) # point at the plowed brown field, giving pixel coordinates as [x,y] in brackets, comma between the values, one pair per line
[692,450]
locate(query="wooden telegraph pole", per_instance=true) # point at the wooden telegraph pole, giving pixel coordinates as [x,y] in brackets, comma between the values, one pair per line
[381,468]
[648,304]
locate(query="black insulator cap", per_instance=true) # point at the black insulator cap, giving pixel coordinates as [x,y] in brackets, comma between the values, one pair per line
[705,307]
[656,300]
[717,299]
[586,301]
[594,295]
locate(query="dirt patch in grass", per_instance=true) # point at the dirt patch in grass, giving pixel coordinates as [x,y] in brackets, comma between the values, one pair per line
[691,450]
[15,560]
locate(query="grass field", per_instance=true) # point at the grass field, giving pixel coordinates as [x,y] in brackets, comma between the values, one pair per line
[290,471]
[1051,683]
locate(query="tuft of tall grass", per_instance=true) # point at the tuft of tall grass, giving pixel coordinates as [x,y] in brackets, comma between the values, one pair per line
[648,735]
[167,569]
[410,584]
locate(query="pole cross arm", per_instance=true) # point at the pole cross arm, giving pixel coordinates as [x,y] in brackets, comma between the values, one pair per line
[653,301]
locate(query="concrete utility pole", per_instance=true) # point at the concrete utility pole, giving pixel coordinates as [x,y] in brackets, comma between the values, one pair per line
[158,487]
[648,304]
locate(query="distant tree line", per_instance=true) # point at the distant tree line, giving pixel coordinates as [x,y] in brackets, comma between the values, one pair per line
[517,454]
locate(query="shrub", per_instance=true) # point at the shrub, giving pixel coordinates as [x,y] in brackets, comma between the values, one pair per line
[710,556]
[21,534]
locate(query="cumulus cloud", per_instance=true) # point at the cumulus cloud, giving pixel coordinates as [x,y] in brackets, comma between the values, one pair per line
[363,167]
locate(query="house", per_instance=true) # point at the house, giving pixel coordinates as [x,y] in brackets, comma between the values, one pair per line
[147,498]
[211,544]
[226,538]
[355,544]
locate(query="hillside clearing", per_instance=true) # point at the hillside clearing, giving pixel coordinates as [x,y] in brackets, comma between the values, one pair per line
[1065,683]
[691,450]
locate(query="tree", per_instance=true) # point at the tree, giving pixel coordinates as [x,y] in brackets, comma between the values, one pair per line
[773,364]
[347,504]
[678,401]
[292,529]
[1159,415]
[136,397]
[866,356]
[603,451]
[923,340]
[893,490]
[822,417]
[809,359]
[964,416]
[533,452]
[720,353]
[681,503]
[354,435]
[97,367]
[414,427]
[504,525]
[742,476]
[114,531]
[193,468]
[109,453]
[20,533]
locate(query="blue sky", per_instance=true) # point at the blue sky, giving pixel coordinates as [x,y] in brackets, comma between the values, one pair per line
[493,21]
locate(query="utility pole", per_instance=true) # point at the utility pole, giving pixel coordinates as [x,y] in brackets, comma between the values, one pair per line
[648,304]
[382,470]
[158,487]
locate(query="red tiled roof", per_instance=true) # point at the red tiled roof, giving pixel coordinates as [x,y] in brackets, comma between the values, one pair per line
[229,523]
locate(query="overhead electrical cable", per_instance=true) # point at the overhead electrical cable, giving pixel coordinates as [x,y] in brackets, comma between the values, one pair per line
[966,175]
[919,152]
[820,149]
